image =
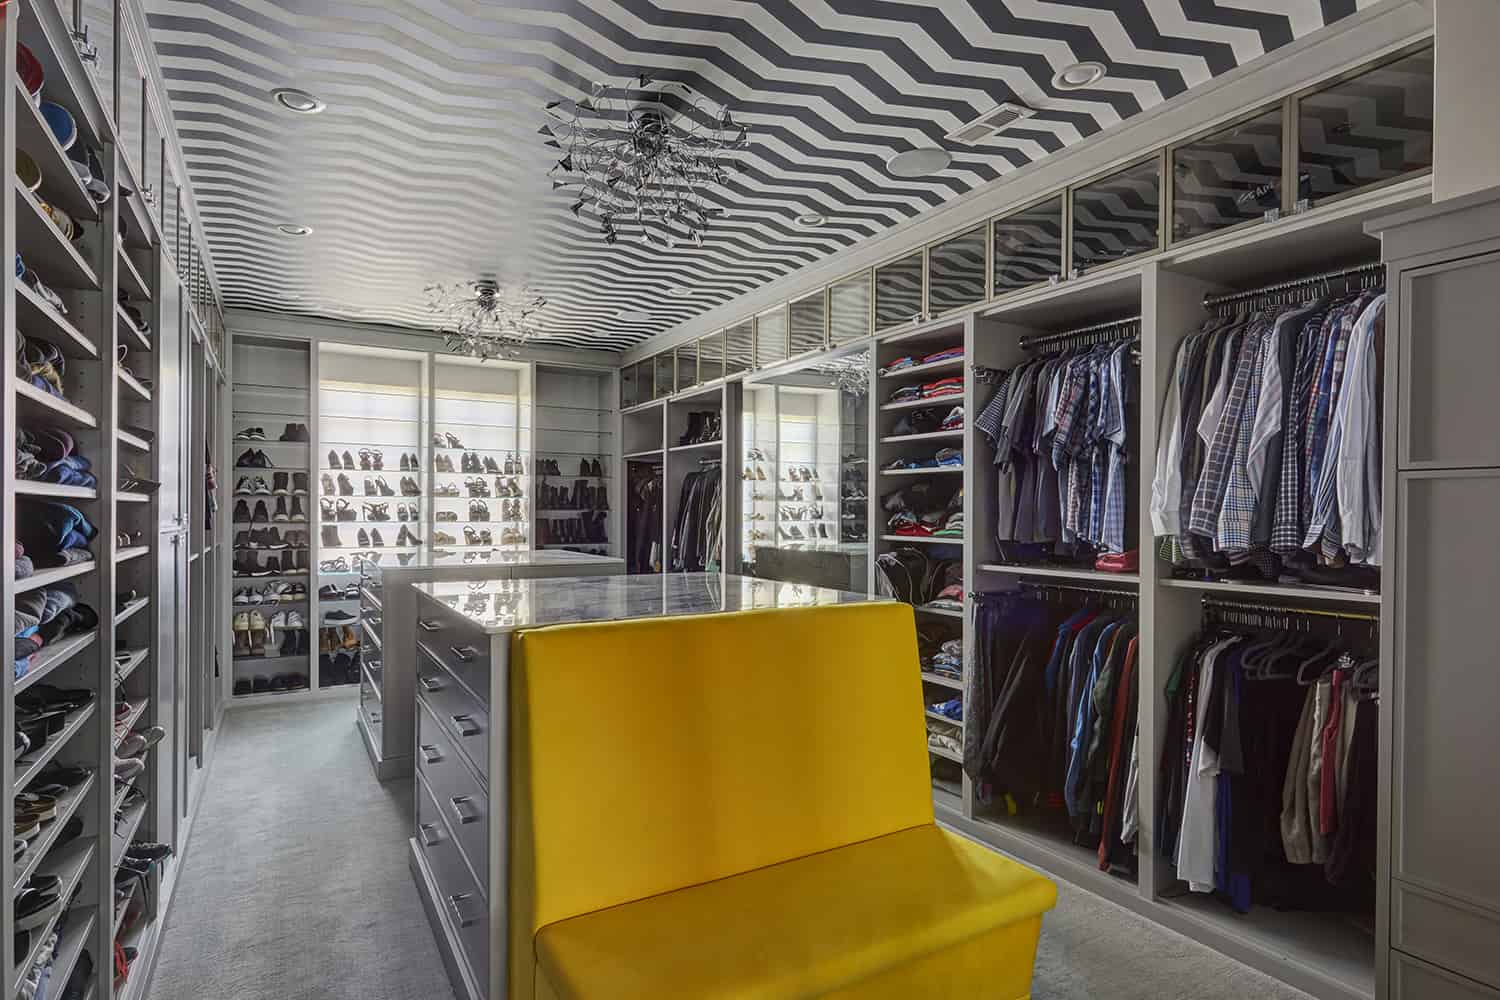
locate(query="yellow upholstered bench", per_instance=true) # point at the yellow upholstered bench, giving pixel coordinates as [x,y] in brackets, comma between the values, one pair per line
[739,805]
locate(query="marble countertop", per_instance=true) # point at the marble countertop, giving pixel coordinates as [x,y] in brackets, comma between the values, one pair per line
[448,558]
[505,605]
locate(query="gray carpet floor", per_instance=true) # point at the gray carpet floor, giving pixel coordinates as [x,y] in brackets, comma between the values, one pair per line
[295,887]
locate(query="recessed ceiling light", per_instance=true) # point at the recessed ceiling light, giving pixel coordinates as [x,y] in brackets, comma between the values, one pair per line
[679,291]
[918,162]
[294,230]
[633,316]
[296,100]
[1079,75]
[810,220]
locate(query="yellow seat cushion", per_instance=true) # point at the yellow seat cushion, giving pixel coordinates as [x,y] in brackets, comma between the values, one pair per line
[655,754]
[917,913]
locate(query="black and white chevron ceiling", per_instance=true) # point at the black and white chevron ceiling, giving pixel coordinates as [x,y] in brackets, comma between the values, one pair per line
[427,166]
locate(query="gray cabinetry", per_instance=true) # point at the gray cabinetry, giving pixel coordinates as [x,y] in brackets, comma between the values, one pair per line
[1441,894]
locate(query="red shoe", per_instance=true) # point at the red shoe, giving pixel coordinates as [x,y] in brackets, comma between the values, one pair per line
[1119,562]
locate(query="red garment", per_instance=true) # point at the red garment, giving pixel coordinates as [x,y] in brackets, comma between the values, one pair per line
[1119,757]
[1328,789]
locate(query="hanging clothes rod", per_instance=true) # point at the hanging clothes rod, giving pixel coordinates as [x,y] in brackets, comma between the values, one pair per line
[1360,270]
[1072,588]
[1215,603]
[1097,333]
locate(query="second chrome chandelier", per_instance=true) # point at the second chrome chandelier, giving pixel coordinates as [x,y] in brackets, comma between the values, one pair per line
[643,158]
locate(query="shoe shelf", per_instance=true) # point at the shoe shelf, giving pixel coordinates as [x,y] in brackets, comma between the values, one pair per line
[127,497]
[947,364]
[124,668]
[36,851]
[130,277]
[64,189]
[45,247]
[71,944]
[36,404]
[131,552]
[122,792]
[130,382]
[122,318]
[52,656]
[125,830]
[957,432]
[951,399]
[1253,590]
[57,574]
[32,488]
[132,441]
[922,539]
[943,680]
[28,767]
[124,725]
[123,907]
[39,316]
[68,864]
[926,609]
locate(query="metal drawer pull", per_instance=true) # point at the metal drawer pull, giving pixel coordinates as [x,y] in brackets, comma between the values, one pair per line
[455,907]
[429,683]
[466,725]
[465,654]
[428,834]
[430,753]
[465,818]
[428,625]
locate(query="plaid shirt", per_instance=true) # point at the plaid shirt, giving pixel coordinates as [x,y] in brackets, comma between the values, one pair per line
[1220,338]
[1322,468]
[1112,428]
[1238,507]
[1286,529]
[1208,497]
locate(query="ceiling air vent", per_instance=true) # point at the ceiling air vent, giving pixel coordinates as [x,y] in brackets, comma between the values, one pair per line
[997,119]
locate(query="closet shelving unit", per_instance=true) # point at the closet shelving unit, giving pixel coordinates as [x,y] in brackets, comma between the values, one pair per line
[1149,239]
[122,394]
[385,413]
[576,424]
[642,434]
[482,410]
[687,457]
[759,506]
[271,393]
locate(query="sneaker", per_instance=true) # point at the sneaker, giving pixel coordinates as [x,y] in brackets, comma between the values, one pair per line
[251,434]
[241,511]
[260,487]
[339,617]
[139,742]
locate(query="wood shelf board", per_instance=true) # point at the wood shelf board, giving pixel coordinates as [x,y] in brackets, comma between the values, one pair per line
[59,182]
[36,403]
[130,609]
[57,574]
[935,470]
[133,384]
[953,683]
[1062,573]
[957,432]
[130,277]
[130,440]
[51,657]
[42,246]
[32,488]
[28,767]
[946,364]
[1258,591]
[36,851]
[39,317]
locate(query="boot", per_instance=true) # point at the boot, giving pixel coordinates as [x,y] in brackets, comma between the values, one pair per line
[281,512]
[603,498]
[346,488]
[281,484]
[363,539]
[333,460]
[327,483]
[297,513]
[241,511]
[375,538]
[331,539]
[694,428]
[299,484]
[261,514]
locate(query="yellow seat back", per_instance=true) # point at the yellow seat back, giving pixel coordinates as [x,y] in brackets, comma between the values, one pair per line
[650,755]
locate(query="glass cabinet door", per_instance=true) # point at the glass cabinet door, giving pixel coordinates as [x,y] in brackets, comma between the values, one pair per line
[808,322]
[151,181]
[711,357]
[132,108]
[665,374]
[170,211]
[687,365]
[97,17]
[956,272]
[739,348]
[849,309]
[1029,246]
[1117,216]
[898,292]
[770,337]
[1229,177]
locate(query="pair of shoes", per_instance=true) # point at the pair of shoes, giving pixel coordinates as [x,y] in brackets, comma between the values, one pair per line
[256,486]
[409,462]
[446,441]
[407,512]
[590,467]
[253,459]
[336,461]
[295,432]
[703,426]
[251,434]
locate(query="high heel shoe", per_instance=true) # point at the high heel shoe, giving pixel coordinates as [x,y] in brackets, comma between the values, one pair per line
[453,442]
[364,460]
[384,487]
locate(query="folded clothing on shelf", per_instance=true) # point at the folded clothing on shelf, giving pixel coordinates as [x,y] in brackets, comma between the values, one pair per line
[47,615]
[945,737]
[905,394]
[950,386]
[947,353]
[954,420]
[905,361]
[910,575]
[49,455]
[942,458]
[946,659]
[53,533]
[952,708]
[923,420]
[924,509]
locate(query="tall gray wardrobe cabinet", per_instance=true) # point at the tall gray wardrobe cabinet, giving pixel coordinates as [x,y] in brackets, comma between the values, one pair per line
[1441,700]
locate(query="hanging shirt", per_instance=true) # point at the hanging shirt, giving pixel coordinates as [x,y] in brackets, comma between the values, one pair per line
[1197,838]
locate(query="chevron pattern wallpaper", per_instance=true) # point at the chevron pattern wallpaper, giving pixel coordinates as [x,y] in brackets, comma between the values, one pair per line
[427,166]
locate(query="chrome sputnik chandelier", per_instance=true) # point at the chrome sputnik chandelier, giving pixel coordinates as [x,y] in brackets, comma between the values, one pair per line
[643,158]
[481,320]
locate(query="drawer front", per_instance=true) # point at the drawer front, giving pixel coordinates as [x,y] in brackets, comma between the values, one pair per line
[1446,932]
[464,906]
[1413,979]
[457,644]
[465,722]
[457,791]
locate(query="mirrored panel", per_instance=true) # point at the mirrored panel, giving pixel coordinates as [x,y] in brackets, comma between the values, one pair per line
[711,357]
[1366,130]
[955,272]
[806,505]
[739,348]
[1227,178]
[849,309]
[770,337]
[629,386]
[1028,246]
[809,316]
[898,292]
[687,365]
[1117,217]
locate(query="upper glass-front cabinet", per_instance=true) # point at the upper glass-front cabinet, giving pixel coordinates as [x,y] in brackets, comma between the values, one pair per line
[665,375]
[1227,178]
[808,318]
[955,272]
[687,365]
[97,18]
[131,116]
[898,292]
[1370,128]
[770,337]
[171,211]
[151,182]
[849,309]
[1029,246]
[1117,216]
[739,348]
[711,357]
